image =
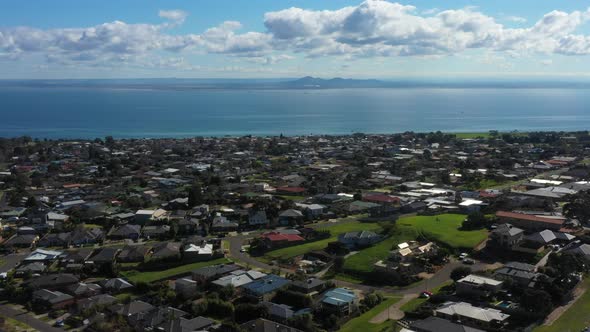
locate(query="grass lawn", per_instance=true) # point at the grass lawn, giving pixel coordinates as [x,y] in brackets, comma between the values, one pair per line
[11,324]
[415,303]
[335,230]
[293,198]
[92,226]
[150,276]
[575,319]
[443,228]
[361,323]
[363,261]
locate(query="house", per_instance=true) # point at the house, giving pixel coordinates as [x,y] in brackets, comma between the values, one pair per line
[312,211]
[506,236]
[342,300]
[381,199]
[265,325]
[309,286]
[276,239]
[144,216]
[522,273]
[290,217]
[166,251]
[52,299]
[437,324]
[208,273]
[131,308]
[582,250]
[471,315]
[361,206]
[75,256]
[152,319]
[96,300]
[290,190]
[52,281]
[82,235]
[182,324]
[188,226]
[185,287]
[116,285]
[279,312]
[30,268]
[56,220]
[222,224]
[257,218]
[201,252]
[359,239]
[541,238]
[127,231]
[265,287]
[106,255]
[530,222]
[21,241]
[55,240]
[478,285]
[133,254]
[82,289]
[43,255]
[235,280]
[160,232]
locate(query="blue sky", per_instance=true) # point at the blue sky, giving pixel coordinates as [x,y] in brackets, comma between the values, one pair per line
[256,38]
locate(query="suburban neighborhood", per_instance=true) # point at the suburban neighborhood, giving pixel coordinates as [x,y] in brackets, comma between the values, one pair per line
[412,232]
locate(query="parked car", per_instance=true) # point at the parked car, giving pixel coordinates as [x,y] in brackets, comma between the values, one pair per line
[468,261]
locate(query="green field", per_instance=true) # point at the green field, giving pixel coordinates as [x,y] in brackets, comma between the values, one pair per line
[150,276]
[415,303]
[575,319]
[443,229]
[361,323]
[335,230]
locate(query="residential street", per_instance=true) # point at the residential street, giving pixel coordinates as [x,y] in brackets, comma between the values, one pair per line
[21,316]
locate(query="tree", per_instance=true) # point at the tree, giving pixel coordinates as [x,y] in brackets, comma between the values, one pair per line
[460,272]
[195,195]
[475,220]
[31,202]
[538,301]
[577,206]
[245,312]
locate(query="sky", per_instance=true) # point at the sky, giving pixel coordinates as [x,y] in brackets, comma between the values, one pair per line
[533,39]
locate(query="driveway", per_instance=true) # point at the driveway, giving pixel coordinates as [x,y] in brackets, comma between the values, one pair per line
[21,316]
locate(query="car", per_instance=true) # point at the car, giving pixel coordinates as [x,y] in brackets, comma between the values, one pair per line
[242,250]
[424,295]
[468,261]
[463,256]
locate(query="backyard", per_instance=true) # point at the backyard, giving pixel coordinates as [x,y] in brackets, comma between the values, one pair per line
[151,276]
[361,323]
[443,229]
[345,225]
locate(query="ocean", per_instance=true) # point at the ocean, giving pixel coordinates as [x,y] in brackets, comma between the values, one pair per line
[72,112]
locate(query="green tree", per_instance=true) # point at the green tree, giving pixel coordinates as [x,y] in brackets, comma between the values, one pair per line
[460,272]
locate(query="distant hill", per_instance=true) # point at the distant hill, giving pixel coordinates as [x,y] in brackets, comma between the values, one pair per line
[333,83]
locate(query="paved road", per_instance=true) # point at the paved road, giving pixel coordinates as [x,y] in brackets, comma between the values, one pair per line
[24,317]
[11,260]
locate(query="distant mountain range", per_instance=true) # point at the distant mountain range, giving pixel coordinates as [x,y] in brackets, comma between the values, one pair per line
[307,82]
